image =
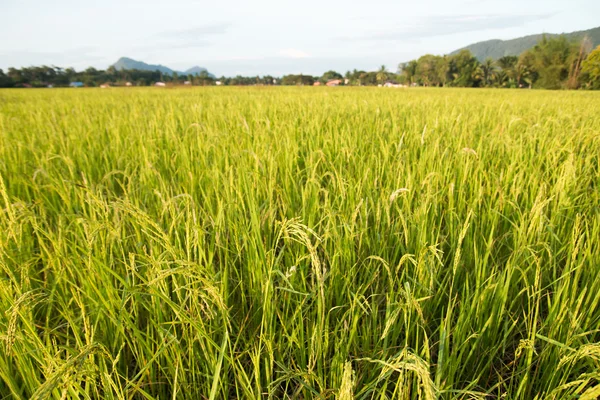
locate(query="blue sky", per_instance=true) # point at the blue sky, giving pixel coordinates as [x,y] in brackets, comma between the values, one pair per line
[246,37]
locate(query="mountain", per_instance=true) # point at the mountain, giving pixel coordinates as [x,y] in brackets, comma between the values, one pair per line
[499,48]
[197,71]
[128,63]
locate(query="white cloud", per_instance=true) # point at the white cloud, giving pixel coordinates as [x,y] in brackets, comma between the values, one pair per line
[441,25]
[294,53]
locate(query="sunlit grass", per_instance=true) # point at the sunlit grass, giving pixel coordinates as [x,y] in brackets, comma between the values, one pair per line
[299,243]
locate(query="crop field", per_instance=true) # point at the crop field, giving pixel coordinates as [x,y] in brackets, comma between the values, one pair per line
[299,243]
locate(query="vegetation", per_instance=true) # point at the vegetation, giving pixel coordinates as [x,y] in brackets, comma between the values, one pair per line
[45,75]
[554,63]
[496,49]
[299,80]
[591,69]
[292,243]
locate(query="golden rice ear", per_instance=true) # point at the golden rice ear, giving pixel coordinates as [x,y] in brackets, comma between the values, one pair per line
[346,391]
[469,150]
[404,363]
[397,193]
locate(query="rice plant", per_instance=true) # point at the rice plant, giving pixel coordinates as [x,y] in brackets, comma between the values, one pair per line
[297,243]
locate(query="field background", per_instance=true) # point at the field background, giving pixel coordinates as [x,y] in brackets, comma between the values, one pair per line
[302,243]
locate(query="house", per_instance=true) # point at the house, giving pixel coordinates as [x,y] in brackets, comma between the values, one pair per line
[76,84]
[334,82]
[187,83]
[50,86]
[128,84]
[393,84]
[218,83]
[160,84]
[104,86]
[317,83]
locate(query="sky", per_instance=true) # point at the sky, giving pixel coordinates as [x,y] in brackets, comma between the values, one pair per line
[276,37]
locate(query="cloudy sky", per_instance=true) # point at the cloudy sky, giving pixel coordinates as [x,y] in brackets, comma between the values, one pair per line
[275,37]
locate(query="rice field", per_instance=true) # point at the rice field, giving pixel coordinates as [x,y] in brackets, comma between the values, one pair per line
[299,243]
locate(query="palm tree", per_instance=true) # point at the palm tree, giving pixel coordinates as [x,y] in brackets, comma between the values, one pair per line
[487,71]
[507,62]
[381,75]
[522,75]
[501,78]
[362,78]
[477,72]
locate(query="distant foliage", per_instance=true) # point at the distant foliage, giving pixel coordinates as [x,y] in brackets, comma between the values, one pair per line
[496,49]
[590,70]
[330,75]
[553,63]
[298,80]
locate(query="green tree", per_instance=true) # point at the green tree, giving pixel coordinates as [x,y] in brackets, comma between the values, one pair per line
[524,76]
[330,75]
[488,70]
[368,78]
[409,70]
[427,72]
[525,73]
[442,67]
[382,75]
[16,76]
[501,79]
[584,48]
[5,81]
[507,62]
[590,70]
[505,76]
[464,69]
[354,77]
[551,62]
[298,80]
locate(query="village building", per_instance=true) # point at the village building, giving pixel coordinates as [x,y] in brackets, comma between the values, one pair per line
[393,84]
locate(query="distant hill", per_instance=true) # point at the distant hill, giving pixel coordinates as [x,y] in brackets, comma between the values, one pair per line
[196,71]
[128,63]
[499,48]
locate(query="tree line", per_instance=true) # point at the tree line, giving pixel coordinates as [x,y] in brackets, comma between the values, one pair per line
[554,63]
[44,76]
